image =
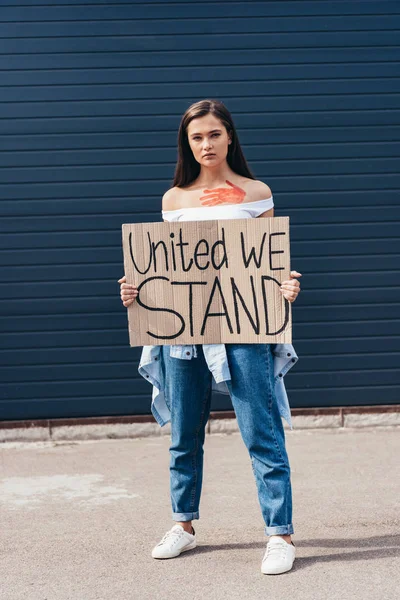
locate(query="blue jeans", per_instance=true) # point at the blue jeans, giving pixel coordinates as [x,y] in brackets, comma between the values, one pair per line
[188,396]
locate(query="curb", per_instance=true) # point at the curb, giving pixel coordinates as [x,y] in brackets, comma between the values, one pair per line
[139,426]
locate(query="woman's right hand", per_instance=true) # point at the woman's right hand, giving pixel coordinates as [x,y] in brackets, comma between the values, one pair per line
[128,291]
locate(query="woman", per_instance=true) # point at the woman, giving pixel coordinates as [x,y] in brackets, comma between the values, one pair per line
[213,181]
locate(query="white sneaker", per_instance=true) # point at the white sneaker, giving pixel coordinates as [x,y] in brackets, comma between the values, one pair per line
[279,556]
[175,541]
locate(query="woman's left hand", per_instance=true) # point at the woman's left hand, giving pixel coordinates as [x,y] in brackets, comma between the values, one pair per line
[290,288]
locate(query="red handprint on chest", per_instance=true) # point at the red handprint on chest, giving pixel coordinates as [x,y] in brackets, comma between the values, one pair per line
[230,195]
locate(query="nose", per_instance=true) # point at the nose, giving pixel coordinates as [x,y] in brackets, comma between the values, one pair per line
[207,144]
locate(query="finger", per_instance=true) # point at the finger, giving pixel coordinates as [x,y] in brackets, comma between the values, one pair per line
[127,302]
[213,202]
[235,187]
[290,291]
[126,294]
[122,280]
[295,274]
[290,285]
[290,297]
[209,197]
[128,286]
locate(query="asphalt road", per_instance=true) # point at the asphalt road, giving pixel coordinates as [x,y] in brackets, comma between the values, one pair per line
[78,520]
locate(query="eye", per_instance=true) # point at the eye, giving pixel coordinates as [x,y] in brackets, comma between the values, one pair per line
[217,134]
[195,138]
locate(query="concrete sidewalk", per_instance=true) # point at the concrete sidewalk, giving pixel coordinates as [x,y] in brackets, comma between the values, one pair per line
[78,520]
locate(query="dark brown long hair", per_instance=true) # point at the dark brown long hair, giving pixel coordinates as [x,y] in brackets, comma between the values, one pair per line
[187,168]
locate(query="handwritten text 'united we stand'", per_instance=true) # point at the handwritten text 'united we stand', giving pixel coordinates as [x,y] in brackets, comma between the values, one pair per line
[226,268]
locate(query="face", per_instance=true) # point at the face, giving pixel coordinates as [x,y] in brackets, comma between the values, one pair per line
[209,140]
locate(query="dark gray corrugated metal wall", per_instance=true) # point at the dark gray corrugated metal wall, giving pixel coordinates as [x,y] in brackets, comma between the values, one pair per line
[91,97]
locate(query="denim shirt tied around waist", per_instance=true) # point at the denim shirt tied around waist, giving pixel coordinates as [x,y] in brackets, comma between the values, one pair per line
[150,368]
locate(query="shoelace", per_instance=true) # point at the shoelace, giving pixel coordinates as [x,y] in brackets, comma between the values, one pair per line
[172,533]
[276,550]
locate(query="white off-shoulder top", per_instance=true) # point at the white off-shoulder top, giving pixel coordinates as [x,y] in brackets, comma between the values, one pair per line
[244,210]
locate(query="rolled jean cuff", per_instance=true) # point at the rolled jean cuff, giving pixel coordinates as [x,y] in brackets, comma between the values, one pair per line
[185,516]
[280,530]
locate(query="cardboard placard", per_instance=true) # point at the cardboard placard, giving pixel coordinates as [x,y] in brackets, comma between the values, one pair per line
[208,282]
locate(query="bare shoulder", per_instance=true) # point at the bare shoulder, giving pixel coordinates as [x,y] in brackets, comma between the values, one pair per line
[170,200]
[258,190]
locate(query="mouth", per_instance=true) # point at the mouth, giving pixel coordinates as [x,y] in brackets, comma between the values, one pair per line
[207,155]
